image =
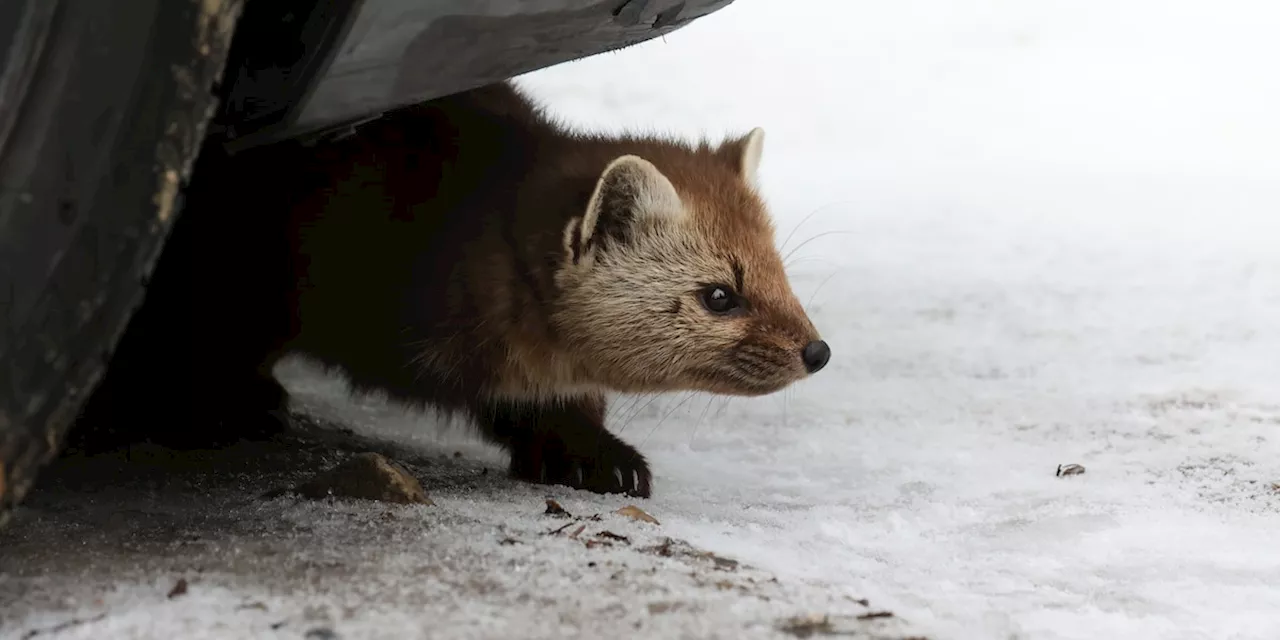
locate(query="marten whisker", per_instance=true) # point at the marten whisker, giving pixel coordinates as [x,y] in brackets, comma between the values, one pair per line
[824,234]
[687,397]
[783,247]
[693,433]
[819,288]
[636,413]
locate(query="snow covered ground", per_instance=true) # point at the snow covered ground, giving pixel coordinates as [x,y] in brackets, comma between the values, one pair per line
[1053,237]
[1035,233]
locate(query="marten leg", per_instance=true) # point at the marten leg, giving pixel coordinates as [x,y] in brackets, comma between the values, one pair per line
[566,443]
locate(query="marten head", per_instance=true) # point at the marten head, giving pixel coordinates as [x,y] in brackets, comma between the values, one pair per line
[671,280]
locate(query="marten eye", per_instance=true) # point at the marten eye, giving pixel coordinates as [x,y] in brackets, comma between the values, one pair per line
[718,298]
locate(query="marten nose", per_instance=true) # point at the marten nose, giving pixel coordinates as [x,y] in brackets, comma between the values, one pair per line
[815,355]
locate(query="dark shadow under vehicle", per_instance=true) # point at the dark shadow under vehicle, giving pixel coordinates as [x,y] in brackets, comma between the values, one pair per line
[106,107]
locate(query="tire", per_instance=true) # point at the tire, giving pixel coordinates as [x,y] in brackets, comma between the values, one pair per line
[105,107]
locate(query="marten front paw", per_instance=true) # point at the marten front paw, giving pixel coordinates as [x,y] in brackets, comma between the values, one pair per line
[607,465]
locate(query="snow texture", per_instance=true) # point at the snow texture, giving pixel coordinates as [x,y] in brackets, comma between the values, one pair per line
[1035,233]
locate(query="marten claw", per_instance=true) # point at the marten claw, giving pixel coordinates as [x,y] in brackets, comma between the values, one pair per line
[618,468]
[615,467]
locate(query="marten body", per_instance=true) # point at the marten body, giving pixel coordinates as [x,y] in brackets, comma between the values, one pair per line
[471,256]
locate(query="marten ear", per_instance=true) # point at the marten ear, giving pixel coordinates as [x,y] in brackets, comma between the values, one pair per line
[630,196]
[745,153]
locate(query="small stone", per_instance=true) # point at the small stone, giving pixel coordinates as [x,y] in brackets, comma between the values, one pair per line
[367,476]
[1069,470]
[554,509]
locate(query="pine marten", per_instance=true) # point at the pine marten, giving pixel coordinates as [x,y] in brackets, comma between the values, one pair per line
[471,255]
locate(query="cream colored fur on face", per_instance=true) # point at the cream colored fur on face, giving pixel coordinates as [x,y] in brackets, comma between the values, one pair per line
[615,302]
[629,307]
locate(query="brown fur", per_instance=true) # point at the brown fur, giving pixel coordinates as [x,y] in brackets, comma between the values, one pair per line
[469,255]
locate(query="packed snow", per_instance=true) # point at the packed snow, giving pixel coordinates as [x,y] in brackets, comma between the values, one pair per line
[1034,233]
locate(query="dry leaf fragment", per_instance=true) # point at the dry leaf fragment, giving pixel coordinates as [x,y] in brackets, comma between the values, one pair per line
[62,626]
[723,564]
[807,626]
[613,536]
[871,615]
[1069,470]
[559,529]
[636,513]
[663,549]
[179,588]
[656,608]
